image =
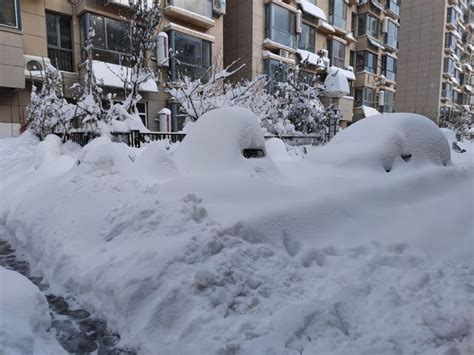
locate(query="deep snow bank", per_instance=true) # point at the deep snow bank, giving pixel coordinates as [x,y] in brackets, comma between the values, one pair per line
[220,260]
[24,317]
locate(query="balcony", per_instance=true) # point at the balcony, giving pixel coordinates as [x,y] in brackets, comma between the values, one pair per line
[197,12]
[393,8]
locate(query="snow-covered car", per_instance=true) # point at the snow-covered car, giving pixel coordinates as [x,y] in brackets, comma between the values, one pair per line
[455,145]
[386,141]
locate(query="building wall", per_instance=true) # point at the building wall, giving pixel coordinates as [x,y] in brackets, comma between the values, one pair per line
[32,40]
[421,56]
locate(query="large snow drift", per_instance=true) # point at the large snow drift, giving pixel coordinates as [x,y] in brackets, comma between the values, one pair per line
[189,251]
[385,140]
[218,140]
[24,317]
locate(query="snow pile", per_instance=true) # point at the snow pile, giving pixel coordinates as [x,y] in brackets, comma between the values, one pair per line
[47,150]
[186,252]
[102,154]
[276,149]
[387,141]
[25,318]
[218,139]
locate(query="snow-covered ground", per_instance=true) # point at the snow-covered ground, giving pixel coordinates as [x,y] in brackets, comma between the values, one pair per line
[197,250]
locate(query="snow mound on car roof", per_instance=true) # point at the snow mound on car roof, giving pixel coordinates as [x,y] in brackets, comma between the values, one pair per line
[386,141]
[218,139]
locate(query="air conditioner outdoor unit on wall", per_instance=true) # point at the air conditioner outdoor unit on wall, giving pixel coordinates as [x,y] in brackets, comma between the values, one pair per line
[35,67]
[324,53]
[219,7]
[381,98]
[385,25]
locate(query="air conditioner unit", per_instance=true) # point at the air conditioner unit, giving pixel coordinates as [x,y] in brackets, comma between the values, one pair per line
[385,25]
[299,21]
[283,53]
[219,7]
[381,98]
[162,49]
[35,67]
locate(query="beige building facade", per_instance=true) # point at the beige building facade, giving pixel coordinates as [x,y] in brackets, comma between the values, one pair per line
[359,38]
[436,56]
[34,32]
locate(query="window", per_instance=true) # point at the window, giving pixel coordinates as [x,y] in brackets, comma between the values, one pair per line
[193,55]
[368,25]
[450,41]
[142,112]
[388,101]
[394,6]
[59,40]
[112,41]
[307,38]
[451,16]
[447,91]
[337,13]
[352,56]
[448,66]
[201,7]
[354,23]
[9,13]
[337,53]
[366,61]
[276,72]
[280,25]
[364,96]
[389,67]
[391,37]
[351,87]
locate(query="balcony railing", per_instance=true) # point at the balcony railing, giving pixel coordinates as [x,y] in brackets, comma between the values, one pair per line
[201,7]
[61,58]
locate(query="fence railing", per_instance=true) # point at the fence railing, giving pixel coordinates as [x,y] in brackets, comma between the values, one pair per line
[136,138]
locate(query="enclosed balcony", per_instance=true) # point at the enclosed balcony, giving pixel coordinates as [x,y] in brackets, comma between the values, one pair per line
[196,12]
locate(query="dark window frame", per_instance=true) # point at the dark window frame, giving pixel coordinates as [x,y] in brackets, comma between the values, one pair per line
[338,20]
[271,30]
[16,10]
[195,70]
[392,39]
[104,53]
[389,71]
[362,97]
[311,47]
[66,61]
[363,62]
[335,60]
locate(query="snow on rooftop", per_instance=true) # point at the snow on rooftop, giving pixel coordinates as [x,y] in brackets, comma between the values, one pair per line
[313,10]
[374,42]
[327,26]
[114,75]
[347,73]
[311,58]
[369,111]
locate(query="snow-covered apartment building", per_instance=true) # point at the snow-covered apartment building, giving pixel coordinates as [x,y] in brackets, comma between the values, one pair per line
[436,56]
[357,37]
[34,32]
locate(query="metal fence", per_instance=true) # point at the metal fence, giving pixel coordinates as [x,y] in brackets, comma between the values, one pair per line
[136,138]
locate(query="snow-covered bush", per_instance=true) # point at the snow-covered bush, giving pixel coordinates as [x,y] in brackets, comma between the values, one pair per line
[385,142]
[48,111]
[459,121]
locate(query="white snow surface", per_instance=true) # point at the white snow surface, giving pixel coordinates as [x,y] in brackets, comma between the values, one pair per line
[195,250]
[24,317]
